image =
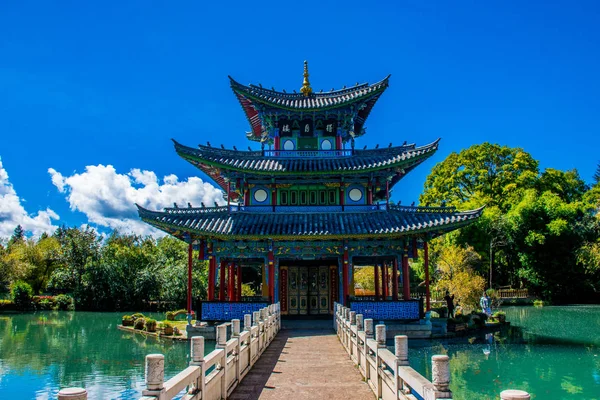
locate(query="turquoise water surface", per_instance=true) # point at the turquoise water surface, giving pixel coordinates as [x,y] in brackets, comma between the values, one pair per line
[43,352]
[550,352]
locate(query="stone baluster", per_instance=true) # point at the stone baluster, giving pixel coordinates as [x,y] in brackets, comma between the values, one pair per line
[221,336]
[440,370]
[74,393]
[255,318]
[352,317]
[369,328]
[235,327]
[380,335]
[197,359]
[514,395]
[401,349]
[360,322]
[247,322]
[155,374]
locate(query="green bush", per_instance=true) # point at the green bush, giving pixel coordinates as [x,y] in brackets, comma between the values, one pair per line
[170,315]
[151,325]
[64,302]
[21,294]
[137,315]
[7,305]
[127,320]
[538,303]
[139,323]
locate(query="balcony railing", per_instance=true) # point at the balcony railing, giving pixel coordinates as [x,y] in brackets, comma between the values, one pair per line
[307,153]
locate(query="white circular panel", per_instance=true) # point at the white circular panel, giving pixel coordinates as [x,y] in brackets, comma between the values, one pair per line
[288,145]
[326,145]
[355,194]
[260,195]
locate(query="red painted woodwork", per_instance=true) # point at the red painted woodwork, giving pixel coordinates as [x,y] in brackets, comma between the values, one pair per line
[239,282]
[230,283]
[271,276]
[333,273]
[283,289]
[338,142]
[189,288]
[376,278]
[427,294]
[386,278]
[277,144]
[345,276]
[222,280]
[405,277]
[415,249]
[212,263]
[201,250]
[395,280]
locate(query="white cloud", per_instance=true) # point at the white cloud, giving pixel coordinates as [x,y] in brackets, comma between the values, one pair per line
[12,212]
[108,198]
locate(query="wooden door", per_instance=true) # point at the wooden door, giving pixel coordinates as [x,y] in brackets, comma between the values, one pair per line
[308,289]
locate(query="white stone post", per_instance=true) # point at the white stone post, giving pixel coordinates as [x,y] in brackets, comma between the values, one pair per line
[360,322]
[440,370]
[369,328]
[235,327]
[255,318]
[222,344]
[380,335]
[352,317]
[72,394]
[197,359]
[514,395]
[401,349]
[155,372]
[247,322]
[222,336]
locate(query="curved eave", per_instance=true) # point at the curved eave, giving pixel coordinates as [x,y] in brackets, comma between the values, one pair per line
[210,159]
[251,96]
[222,225]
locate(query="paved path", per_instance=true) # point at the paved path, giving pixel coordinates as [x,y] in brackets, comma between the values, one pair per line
[304,361]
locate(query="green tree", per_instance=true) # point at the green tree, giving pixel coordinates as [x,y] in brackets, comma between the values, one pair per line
[18,236]
[597,175]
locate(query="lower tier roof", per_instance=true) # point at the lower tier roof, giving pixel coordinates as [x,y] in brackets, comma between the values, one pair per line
[227,223]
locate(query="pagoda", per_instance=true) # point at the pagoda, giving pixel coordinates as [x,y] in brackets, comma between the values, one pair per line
[307,209]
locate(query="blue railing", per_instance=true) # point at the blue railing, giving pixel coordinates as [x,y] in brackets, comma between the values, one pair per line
[307,153]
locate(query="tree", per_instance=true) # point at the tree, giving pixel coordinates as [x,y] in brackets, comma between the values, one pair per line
[455,267]
[484,174]
[17,237]
[597,175]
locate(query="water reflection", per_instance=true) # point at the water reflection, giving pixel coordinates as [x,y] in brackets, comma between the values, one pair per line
[43,352]
[552,353]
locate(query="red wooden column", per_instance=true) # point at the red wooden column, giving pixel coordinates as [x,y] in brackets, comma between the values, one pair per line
[345,275]
[230,277]
[239,282]
[189,288]
[222,280]
[387,279]
[271,258]
[395,279]
[376,278]
[405,276]
[427,294]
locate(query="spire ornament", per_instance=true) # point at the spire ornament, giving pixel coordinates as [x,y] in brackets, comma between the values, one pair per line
[306,89]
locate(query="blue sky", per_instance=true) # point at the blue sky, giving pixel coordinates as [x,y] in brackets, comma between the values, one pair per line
[95,90]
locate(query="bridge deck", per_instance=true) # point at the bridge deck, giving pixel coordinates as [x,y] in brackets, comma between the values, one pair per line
[304,361]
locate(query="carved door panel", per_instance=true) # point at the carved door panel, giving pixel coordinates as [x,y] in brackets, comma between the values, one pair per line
[303,290]
[309,290]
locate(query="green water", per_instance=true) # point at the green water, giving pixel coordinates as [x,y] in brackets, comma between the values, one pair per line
[43,352]
[550,352]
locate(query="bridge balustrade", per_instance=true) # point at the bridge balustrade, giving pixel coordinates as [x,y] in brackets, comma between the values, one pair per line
[389,375]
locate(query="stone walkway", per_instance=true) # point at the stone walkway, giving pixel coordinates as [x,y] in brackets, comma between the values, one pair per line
[304,361]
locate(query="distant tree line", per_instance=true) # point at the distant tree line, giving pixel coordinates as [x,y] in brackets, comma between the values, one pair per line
[121,272]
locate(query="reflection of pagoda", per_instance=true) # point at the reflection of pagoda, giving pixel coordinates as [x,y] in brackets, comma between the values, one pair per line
[310,208]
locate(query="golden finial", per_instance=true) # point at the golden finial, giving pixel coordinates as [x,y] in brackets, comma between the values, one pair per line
[306,89]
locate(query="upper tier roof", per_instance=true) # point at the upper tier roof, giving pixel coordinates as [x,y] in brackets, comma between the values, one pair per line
[221,223]
[250,96]
[405,157]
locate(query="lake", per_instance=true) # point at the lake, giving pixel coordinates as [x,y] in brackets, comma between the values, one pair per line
[551,352]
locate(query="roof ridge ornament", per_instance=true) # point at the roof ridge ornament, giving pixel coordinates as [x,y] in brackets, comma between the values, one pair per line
[306,89]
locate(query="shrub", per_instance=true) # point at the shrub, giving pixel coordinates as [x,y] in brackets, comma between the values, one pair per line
[151,325]
[7,305]
[45,304]
[538,303]
[127,320]
[64,302]
[170,315]
[21,294]
[137,315]
[139,323]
